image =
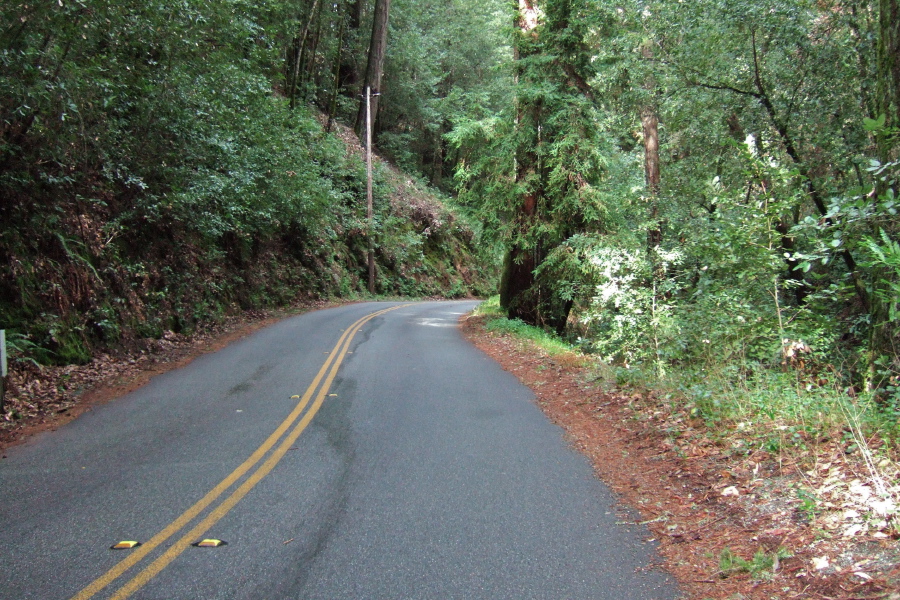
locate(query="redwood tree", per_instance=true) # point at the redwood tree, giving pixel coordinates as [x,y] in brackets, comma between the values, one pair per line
[375,64]
[517,278]
[534,174]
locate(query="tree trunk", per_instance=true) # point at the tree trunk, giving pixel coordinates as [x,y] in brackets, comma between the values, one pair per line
[650,126]
[310,66]
[516,281]
[517,278]
[883,340]
[437,161]
[375,64]
[889,60]
[650,130]
[349,69]
[298,47]
[332,104]
[866,99]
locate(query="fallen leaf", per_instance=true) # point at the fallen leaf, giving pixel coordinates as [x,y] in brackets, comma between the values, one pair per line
[852,530]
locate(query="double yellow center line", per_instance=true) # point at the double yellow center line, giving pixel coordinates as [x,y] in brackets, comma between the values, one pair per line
[327,373]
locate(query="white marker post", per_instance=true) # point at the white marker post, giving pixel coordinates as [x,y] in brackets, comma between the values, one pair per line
[371,253]
[2,364]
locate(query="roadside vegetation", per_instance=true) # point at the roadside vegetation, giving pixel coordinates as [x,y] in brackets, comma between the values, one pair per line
[164,165]
[708,190]
[701,198]
[798,478]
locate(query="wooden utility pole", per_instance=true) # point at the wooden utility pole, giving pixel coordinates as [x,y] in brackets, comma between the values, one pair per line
[369,189]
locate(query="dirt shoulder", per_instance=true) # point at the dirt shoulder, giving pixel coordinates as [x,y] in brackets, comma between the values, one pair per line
[729,525]
[39,399]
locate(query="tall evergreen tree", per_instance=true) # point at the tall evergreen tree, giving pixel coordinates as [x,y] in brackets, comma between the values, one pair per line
[375,63]
[538,166]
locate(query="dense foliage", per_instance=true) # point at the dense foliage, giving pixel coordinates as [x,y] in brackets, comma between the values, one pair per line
[770,243]
[153,172]
[765,245]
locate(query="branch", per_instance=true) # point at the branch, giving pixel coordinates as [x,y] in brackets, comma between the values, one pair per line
[814,193]
[577,80]
[800,81]
[727,88]
[710,86]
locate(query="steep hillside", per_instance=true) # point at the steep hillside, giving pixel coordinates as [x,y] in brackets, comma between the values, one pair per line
[97,275]
[157,172]
[96,297]
[426,248]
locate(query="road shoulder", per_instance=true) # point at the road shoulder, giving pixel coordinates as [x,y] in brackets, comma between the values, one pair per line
[40,399]
[686,498]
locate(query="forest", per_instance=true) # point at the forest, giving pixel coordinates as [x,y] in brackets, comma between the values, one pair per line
[706,193]
[701,194]
[165,164]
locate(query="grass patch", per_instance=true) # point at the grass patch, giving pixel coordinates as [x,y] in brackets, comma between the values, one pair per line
[763,565]
[496,321]
[490,308]
[549,342]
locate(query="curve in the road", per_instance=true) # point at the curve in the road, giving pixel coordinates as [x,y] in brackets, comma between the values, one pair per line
[331,366]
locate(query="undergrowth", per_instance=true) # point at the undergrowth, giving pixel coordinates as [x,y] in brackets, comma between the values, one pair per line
[763,565]
[784,412]
[106,278]
[547,341]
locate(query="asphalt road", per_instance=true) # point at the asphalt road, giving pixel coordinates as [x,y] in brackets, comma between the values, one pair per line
[407,464]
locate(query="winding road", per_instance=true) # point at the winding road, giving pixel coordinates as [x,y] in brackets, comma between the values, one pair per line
[364,452]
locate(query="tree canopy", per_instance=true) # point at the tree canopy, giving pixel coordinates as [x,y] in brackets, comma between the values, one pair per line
[773,223]
[673,183]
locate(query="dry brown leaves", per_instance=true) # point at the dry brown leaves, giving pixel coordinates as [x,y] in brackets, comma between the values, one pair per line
[697,497]
[40,398]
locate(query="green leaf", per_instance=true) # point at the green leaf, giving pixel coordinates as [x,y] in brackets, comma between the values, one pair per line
[874,124]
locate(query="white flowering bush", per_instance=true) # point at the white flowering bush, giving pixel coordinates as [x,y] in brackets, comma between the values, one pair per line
[629,318]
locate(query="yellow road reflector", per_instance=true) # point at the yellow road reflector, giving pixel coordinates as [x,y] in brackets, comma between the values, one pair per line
[209,543]
[332,395]
[126,545]
[294,397]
